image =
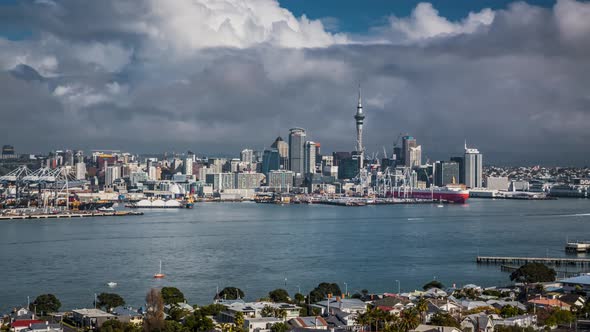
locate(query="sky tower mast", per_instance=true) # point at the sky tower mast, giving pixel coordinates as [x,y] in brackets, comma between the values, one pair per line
[359,118]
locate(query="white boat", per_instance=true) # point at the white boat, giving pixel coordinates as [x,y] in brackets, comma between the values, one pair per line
[159,275]
[106,209]
[112,284]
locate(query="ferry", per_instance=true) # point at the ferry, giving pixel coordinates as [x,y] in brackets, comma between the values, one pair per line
[440,194]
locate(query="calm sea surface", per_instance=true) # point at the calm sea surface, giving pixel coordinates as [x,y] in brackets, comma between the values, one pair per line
[255,247]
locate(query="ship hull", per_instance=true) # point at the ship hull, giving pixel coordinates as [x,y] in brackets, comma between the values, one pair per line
[458,197]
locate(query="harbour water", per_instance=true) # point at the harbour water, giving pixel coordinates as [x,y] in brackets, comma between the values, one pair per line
[260,247]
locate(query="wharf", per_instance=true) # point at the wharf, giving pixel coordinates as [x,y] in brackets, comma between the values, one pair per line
[506,260]
[577,246]
[71,215]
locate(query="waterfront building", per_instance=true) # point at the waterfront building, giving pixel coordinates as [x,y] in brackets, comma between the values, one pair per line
[204,171]
[297,150]
[80,171]
[138,177]
[460,161]
[280,180]
[188,166]
[271,161]
[473,161]
[111,174]
[408,142]
[445,173]
[248,180]
[91,318]
[221,181]
[497,183]
[310,155]
[348,168]
[283,149]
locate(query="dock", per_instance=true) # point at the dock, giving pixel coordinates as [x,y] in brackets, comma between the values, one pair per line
[577,246]
[70,215]
[507,260]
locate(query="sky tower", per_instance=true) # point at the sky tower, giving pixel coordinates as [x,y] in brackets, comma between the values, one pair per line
[359,118]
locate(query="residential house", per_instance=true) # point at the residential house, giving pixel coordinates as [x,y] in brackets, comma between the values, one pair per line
[23,324]
[519,321]
[44,327]
[128,315]
[574,300]
[262,324]
[432,328]
[91,318]
[575,284]
[543,302]
[478,323]
[254,309]
[312,322]
[345,305]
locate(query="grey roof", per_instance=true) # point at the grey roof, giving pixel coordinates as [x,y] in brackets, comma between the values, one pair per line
[45,326]
[121,311]
[582,280]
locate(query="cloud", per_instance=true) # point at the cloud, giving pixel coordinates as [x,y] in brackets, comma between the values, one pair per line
[219,76]
[425,22]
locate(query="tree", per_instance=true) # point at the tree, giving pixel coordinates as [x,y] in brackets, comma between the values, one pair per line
[172,326]
[114,325]
[532,273]
[239,320]
[323,290]
[279,327]
[409,319]
[199,322]
[559,316]
[433,284]
[46,303]
[212,309]
[154,317]
[172,295]
[444,319]
[109,301]
[279,295]
[230,293]
[299,298]
[508,311]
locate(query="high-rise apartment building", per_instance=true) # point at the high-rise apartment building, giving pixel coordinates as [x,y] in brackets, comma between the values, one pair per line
[111,174]
[188,166]
[247,155]
[310,155]
[414,157]
[408,142]
[297,138]
[473,165]
[271,161]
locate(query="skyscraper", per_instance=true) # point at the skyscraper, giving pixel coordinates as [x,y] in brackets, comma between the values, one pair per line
[445,173]
[271,161]
[472,164]
[310,155]
[111,174]
[247,155]
[283,149]
[359,119]
[415,157]
[296,150]
[188,166]
[408,142]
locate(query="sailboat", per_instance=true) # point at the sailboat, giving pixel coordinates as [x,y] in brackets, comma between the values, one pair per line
[159,275]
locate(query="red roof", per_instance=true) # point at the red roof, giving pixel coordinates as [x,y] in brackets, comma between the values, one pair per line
[25,322]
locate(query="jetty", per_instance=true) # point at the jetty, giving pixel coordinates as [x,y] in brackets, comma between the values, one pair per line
[69,215]
[508,260]
[577,246]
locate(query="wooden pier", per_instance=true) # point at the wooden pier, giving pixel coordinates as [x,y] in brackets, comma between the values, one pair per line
[71,215]
[507,260]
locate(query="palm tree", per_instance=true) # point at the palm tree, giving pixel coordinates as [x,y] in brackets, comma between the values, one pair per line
[422,307]
[409,319]
[362,320]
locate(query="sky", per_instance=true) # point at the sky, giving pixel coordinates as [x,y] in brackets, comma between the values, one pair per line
[218,76]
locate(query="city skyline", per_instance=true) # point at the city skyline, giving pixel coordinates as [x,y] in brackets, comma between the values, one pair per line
[148,79]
